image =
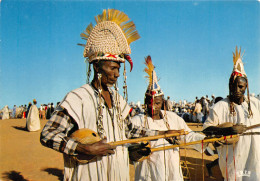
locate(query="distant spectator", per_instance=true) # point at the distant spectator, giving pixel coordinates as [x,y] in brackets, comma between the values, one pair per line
[5,112]
[24,111]
[205,108]
[52,108]
[176,110]
[41,107]
[14,112]
[212,102]
[42,112]
[196,98]
[28,109]
[207,98]
[57,104]
[48,113]
[169,104]
[19,112]
[184,103]
[197,112]
[185,115]
[33,119]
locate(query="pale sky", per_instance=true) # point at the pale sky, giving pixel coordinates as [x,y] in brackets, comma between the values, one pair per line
[190,42]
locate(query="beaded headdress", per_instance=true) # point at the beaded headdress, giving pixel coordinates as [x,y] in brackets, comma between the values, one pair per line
[110,38]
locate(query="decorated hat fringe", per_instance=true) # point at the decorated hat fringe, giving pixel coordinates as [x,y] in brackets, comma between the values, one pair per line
[236,55]
[149,69]
[238,69]
[118,17]
[110,38]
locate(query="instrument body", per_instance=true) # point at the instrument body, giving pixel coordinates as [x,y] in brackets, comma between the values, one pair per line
[233,140]
[85,136]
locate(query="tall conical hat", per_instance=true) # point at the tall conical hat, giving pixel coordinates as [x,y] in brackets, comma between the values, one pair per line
[153,88]
[238,69]
[110,38]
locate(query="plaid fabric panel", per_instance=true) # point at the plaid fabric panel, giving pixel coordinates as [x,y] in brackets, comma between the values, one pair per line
[56,133]
[134,131]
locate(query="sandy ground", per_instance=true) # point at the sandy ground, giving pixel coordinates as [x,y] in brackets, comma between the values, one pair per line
[22,157]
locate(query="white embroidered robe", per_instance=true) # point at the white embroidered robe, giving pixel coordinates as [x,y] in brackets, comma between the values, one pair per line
[246,153]
[82,105]
[163,165]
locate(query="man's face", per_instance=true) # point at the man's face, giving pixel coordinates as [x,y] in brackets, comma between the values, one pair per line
[156,106]
[238,88]
[110,72]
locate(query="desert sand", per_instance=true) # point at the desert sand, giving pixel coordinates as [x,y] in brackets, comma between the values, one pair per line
[23,158]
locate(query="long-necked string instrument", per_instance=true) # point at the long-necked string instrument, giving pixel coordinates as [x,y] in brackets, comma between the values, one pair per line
[189,143]
[231,139]
[234,139]
[226,139]
[194,143]
[87,136]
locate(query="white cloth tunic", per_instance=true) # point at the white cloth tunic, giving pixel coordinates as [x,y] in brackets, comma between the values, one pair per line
[5,111]
[246,151]
[163,165]
[82,105]
[33,120]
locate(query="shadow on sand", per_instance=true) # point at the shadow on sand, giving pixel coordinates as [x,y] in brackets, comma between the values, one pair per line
[20,128]
[54,171]
[13,175]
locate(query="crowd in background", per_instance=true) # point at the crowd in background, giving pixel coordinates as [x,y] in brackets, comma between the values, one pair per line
[21,112]
[196,111]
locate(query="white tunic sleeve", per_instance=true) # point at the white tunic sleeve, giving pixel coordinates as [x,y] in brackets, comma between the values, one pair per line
[179,123]
[212,119]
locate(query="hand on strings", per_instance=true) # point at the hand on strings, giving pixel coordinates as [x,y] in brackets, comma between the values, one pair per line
[238,129]
[174,140]
[137,151]
[100,148]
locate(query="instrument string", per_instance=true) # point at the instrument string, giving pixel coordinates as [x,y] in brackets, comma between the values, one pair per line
[202,160]
[226,158]
[234,158]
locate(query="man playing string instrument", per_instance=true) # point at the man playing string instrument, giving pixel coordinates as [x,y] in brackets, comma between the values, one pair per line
[97,106]
[241,160]
[161,165]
